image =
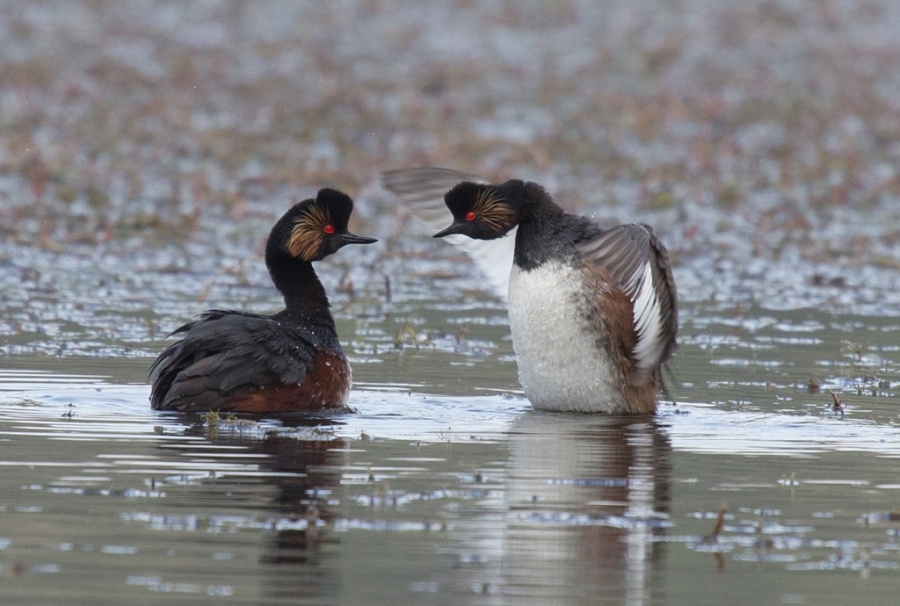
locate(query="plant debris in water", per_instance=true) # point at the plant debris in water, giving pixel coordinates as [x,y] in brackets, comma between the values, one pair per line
[146,148]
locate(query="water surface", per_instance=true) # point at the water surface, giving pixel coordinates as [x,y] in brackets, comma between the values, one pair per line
[439,499]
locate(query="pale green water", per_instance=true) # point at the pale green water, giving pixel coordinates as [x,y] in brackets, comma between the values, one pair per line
[453,499]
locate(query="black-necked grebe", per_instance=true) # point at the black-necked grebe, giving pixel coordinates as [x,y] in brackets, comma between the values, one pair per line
[592,311]
[244,362]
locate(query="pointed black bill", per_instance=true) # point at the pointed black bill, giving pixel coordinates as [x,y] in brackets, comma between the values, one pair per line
[455,228]
[349,238]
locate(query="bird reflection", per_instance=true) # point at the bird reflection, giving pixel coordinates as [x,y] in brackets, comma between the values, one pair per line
[586,508]
[302,462]
[304,495]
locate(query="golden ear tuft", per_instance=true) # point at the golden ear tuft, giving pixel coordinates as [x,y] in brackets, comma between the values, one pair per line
[308,233]
[490,209]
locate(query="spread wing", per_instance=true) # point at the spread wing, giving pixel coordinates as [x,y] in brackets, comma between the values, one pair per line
[633,257]
[423,189]
[225,351]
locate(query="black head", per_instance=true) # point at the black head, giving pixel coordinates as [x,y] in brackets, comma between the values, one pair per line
[480,211]
[313,229]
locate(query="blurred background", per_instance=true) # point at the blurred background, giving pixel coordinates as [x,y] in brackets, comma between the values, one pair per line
[147,147]
[760,137]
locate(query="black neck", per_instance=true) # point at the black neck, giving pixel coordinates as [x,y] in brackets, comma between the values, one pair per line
[545,230]
[304,295]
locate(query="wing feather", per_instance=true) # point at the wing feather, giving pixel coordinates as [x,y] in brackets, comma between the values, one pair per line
[639,263]
[223,351]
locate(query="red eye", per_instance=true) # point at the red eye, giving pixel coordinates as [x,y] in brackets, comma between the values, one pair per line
[328,229]
[470,216]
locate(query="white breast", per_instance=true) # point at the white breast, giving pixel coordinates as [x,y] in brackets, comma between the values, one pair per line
[561,365]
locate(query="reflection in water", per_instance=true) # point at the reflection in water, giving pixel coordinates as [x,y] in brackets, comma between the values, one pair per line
[303,465]
[586,504]
[467,500]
